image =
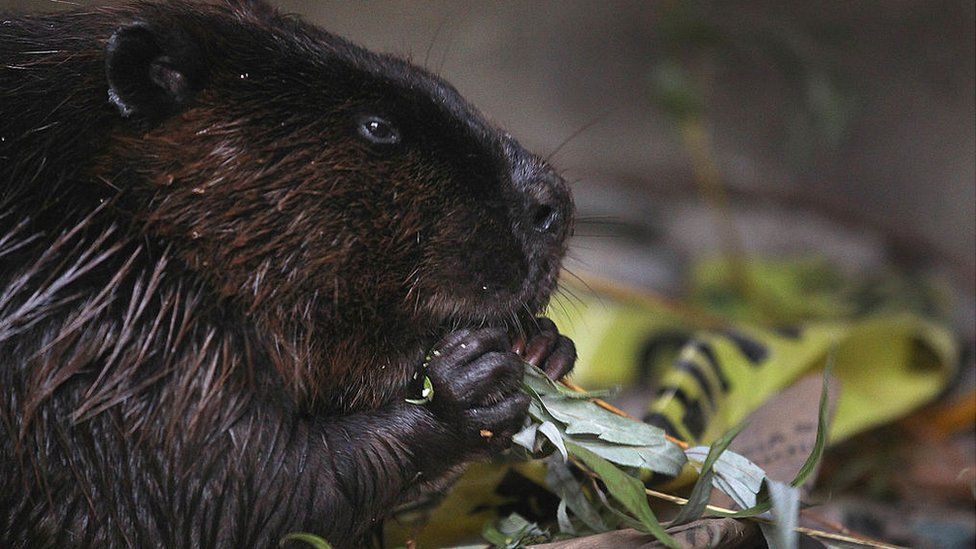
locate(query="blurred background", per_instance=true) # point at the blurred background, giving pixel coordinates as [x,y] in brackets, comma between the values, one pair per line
[749,130]
[863,111]
[845,128]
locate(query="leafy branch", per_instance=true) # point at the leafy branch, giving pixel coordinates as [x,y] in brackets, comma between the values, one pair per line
[612,448]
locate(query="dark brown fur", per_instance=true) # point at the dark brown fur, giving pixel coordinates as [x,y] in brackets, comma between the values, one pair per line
[215,296]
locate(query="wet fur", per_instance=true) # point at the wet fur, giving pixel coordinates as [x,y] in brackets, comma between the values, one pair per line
[210,315]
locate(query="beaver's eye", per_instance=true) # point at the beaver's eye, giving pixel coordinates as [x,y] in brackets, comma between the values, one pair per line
[378,130]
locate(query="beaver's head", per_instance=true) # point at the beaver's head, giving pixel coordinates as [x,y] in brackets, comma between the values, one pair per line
[302,174]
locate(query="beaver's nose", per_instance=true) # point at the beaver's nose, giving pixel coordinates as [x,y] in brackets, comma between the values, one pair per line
[544,211]
[548,208]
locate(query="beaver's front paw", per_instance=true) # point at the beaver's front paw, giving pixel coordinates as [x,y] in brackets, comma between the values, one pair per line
[547,349]
[477,388]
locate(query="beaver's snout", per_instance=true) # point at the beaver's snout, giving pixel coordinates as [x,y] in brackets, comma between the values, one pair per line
[546,204]
[544,210]
[543,220]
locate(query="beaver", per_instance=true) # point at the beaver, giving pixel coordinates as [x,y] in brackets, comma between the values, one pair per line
[232,248]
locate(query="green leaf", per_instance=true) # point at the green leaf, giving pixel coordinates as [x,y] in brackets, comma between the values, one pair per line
[617,518]
[784,499]
[551,432]
[734,475]
[758,509]
[539,382]
[494,537]
[562,519]
[626,489]
[623,519]
[654,451]
[526,437]
[667,459]
[584,417]
[561,482]
[698,499]
[580,417]
[624,441]
[821,441]
[537,411]
[311,539]
[513,531]
[811,462]
[781,534]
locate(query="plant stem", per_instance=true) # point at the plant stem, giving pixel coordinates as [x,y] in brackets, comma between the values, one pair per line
[803,530]
[695,137]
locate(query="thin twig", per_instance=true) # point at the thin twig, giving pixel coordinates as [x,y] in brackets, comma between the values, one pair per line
[833,525]
[801,529]
[858,540]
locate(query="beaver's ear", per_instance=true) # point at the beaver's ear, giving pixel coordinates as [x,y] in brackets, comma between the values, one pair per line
[152,72]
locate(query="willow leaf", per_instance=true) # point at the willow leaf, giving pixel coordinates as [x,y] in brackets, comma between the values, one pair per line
[698,499]
[627,490]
